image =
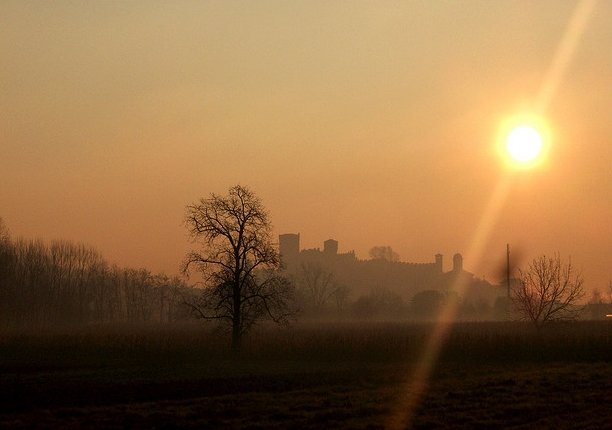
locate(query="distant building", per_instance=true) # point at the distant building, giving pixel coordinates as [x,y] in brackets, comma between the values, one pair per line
[330,247]
[289,249]
[363,276]
[457,263]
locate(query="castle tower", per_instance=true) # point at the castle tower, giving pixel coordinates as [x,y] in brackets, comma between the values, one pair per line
[330,247]
[457,263]
[439,258]
[289,250]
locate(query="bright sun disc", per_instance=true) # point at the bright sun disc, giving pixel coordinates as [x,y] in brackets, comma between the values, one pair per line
[524,144]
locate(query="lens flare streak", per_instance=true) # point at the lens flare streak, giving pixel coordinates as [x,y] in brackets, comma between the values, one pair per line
[564,54]
[416,383]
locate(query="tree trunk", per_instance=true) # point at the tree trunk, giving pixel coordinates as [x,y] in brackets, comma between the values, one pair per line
[236,338]
[236,332]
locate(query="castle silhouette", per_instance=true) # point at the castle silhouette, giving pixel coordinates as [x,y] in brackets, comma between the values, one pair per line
[403,278]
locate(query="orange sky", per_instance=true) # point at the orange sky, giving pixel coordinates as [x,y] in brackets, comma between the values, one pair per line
[370,122]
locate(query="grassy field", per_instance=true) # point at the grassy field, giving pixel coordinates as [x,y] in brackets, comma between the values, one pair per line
[489,375]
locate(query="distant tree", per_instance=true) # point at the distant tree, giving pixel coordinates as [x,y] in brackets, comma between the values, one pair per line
[426,304]
[385,253]
[65,282]
[238,261]
[379,303]
[501,308]
[340,296]
[548,291]
[4,231]
[318,288]
[596,297]
[7,257]
[317,283]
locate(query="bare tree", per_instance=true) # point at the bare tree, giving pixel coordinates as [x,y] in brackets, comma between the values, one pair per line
[341,295]
[317,283]
[238,261]
[596,297]
[385,253]
[4,232]
[549,290]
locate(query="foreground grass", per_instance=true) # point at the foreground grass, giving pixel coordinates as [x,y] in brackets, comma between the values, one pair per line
[500,375]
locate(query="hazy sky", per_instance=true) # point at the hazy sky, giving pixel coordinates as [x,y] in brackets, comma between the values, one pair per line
[373,123]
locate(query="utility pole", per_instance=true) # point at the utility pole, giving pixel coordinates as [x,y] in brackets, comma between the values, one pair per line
[508,268]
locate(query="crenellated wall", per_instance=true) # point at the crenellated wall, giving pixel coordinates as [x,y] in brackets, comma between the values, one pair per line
[405,278]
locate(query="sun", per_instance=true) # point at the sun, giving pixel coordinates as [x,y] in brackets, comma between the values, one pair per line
[523,141]
[524,144]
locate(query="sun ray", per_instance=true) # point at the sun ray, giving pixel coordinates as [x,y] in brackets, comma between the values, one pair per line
[416,384]
[564,53]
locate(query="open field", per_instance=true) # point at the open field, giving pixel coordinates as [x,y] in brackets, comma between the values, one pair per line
[490,375]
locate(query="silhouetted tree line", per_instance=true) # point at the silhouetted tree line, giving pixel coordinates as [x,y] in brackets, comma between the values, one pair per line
[63,282]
